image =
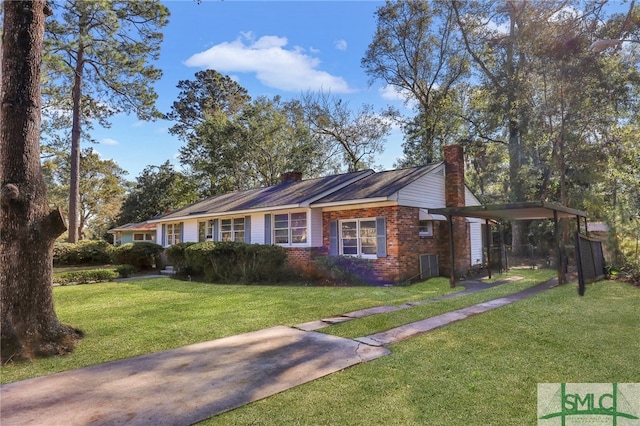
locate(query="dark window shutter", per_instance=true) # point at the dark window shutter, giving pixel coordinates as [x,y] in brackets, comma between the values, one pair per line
[333,238]
[181,232]
[164,235]
[247,229]
[267,229]
[381,236]
[216,237]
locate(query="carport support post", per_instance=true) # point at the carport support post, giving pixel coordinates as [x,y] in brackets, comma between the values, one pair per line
[488,235]
[556,229]
[585,224]
[452,277]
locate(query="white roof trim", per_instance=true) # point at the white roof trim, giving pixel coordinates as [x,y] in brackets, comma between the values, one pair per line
[227,213]
[348,202]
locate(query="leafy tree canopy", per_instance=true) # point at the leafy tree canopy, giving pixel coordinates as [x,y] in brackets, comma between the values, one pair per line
[157,189]
[97,64]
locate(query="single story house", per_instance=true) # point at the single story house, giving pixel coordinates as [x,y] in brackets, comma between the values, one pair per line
[383,217]
[133,232]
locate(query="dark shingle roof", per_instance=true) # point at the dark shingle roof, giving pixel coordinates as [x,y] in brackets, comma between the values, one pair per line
[359,186]
[141,226]
[382,184]
[283,194]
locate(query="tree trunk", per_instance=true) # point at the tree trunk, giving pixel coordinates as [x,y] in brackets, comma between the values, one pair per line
[29,326]
[74,181]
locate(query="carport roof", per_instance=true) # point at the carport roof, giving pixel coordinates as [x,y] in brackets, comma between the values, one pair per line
[513,211]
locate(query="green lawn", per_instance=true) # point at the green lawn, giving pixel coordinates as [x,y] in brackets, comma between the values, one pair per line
[125,319]
[480,371]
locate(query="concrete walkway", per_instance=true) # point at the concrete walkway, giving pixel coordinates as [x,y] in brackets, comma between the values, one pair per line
[419,327]
[471,286]
[192,383]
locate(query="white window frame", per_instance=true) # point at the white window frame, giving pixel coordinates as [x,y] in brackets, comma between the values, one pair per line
[144,236]
[428,232]
[358,237]
[299,233]
[207,234]
[208,230]
[235,229]
[173,233]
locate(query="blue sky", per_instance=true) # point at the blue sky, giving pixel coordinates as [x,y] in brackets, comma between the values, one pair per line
[270,48]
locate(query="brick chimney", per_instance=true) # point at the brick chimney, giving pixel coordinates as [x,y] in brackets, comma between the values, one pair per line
[291,177]
[454,175]
[455,197]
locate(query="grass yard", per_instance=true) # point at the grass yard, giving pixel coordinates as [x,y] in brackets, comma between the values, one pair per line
[480,371]
[125,319]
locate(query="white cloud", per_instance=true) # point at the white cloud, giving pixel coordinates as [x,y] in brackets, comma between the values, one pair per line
[109,141]
[392,93]
[272,63]
[138,123]
[340,44]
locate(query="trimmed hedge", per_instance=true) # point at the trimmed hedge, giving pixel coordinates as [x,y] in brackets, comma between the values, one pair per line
[176,257]
[232,262]
[125,271]
[83,277]
[198,257]
[141,255]
[85,252]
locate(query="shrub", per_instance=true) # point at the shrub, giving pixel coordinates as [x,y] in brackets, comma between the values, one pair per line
[95,251]
[125,271]
[142,254]
[65,254]
[198,256]
[83,277]
[248,263]
[236,262]
[85,252]
[177,257]
[631,273]
[264,263]
[347,270]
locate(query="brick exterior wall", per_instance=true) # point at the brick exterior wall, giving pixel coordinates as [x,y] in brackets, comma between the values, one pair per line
[404,244]
[455,197]
[462,247]
[386,269]
[300,257]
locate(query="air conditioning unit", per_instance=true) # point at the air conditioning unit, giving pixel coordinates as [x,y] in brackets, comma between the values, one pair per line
[429,266]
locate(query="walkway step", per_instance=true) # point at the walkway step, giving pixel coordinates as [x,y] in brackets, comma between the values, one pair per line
[419,327]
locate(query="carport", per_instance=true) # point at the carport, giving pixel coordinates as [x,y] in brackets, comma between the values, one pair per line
[530,210]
